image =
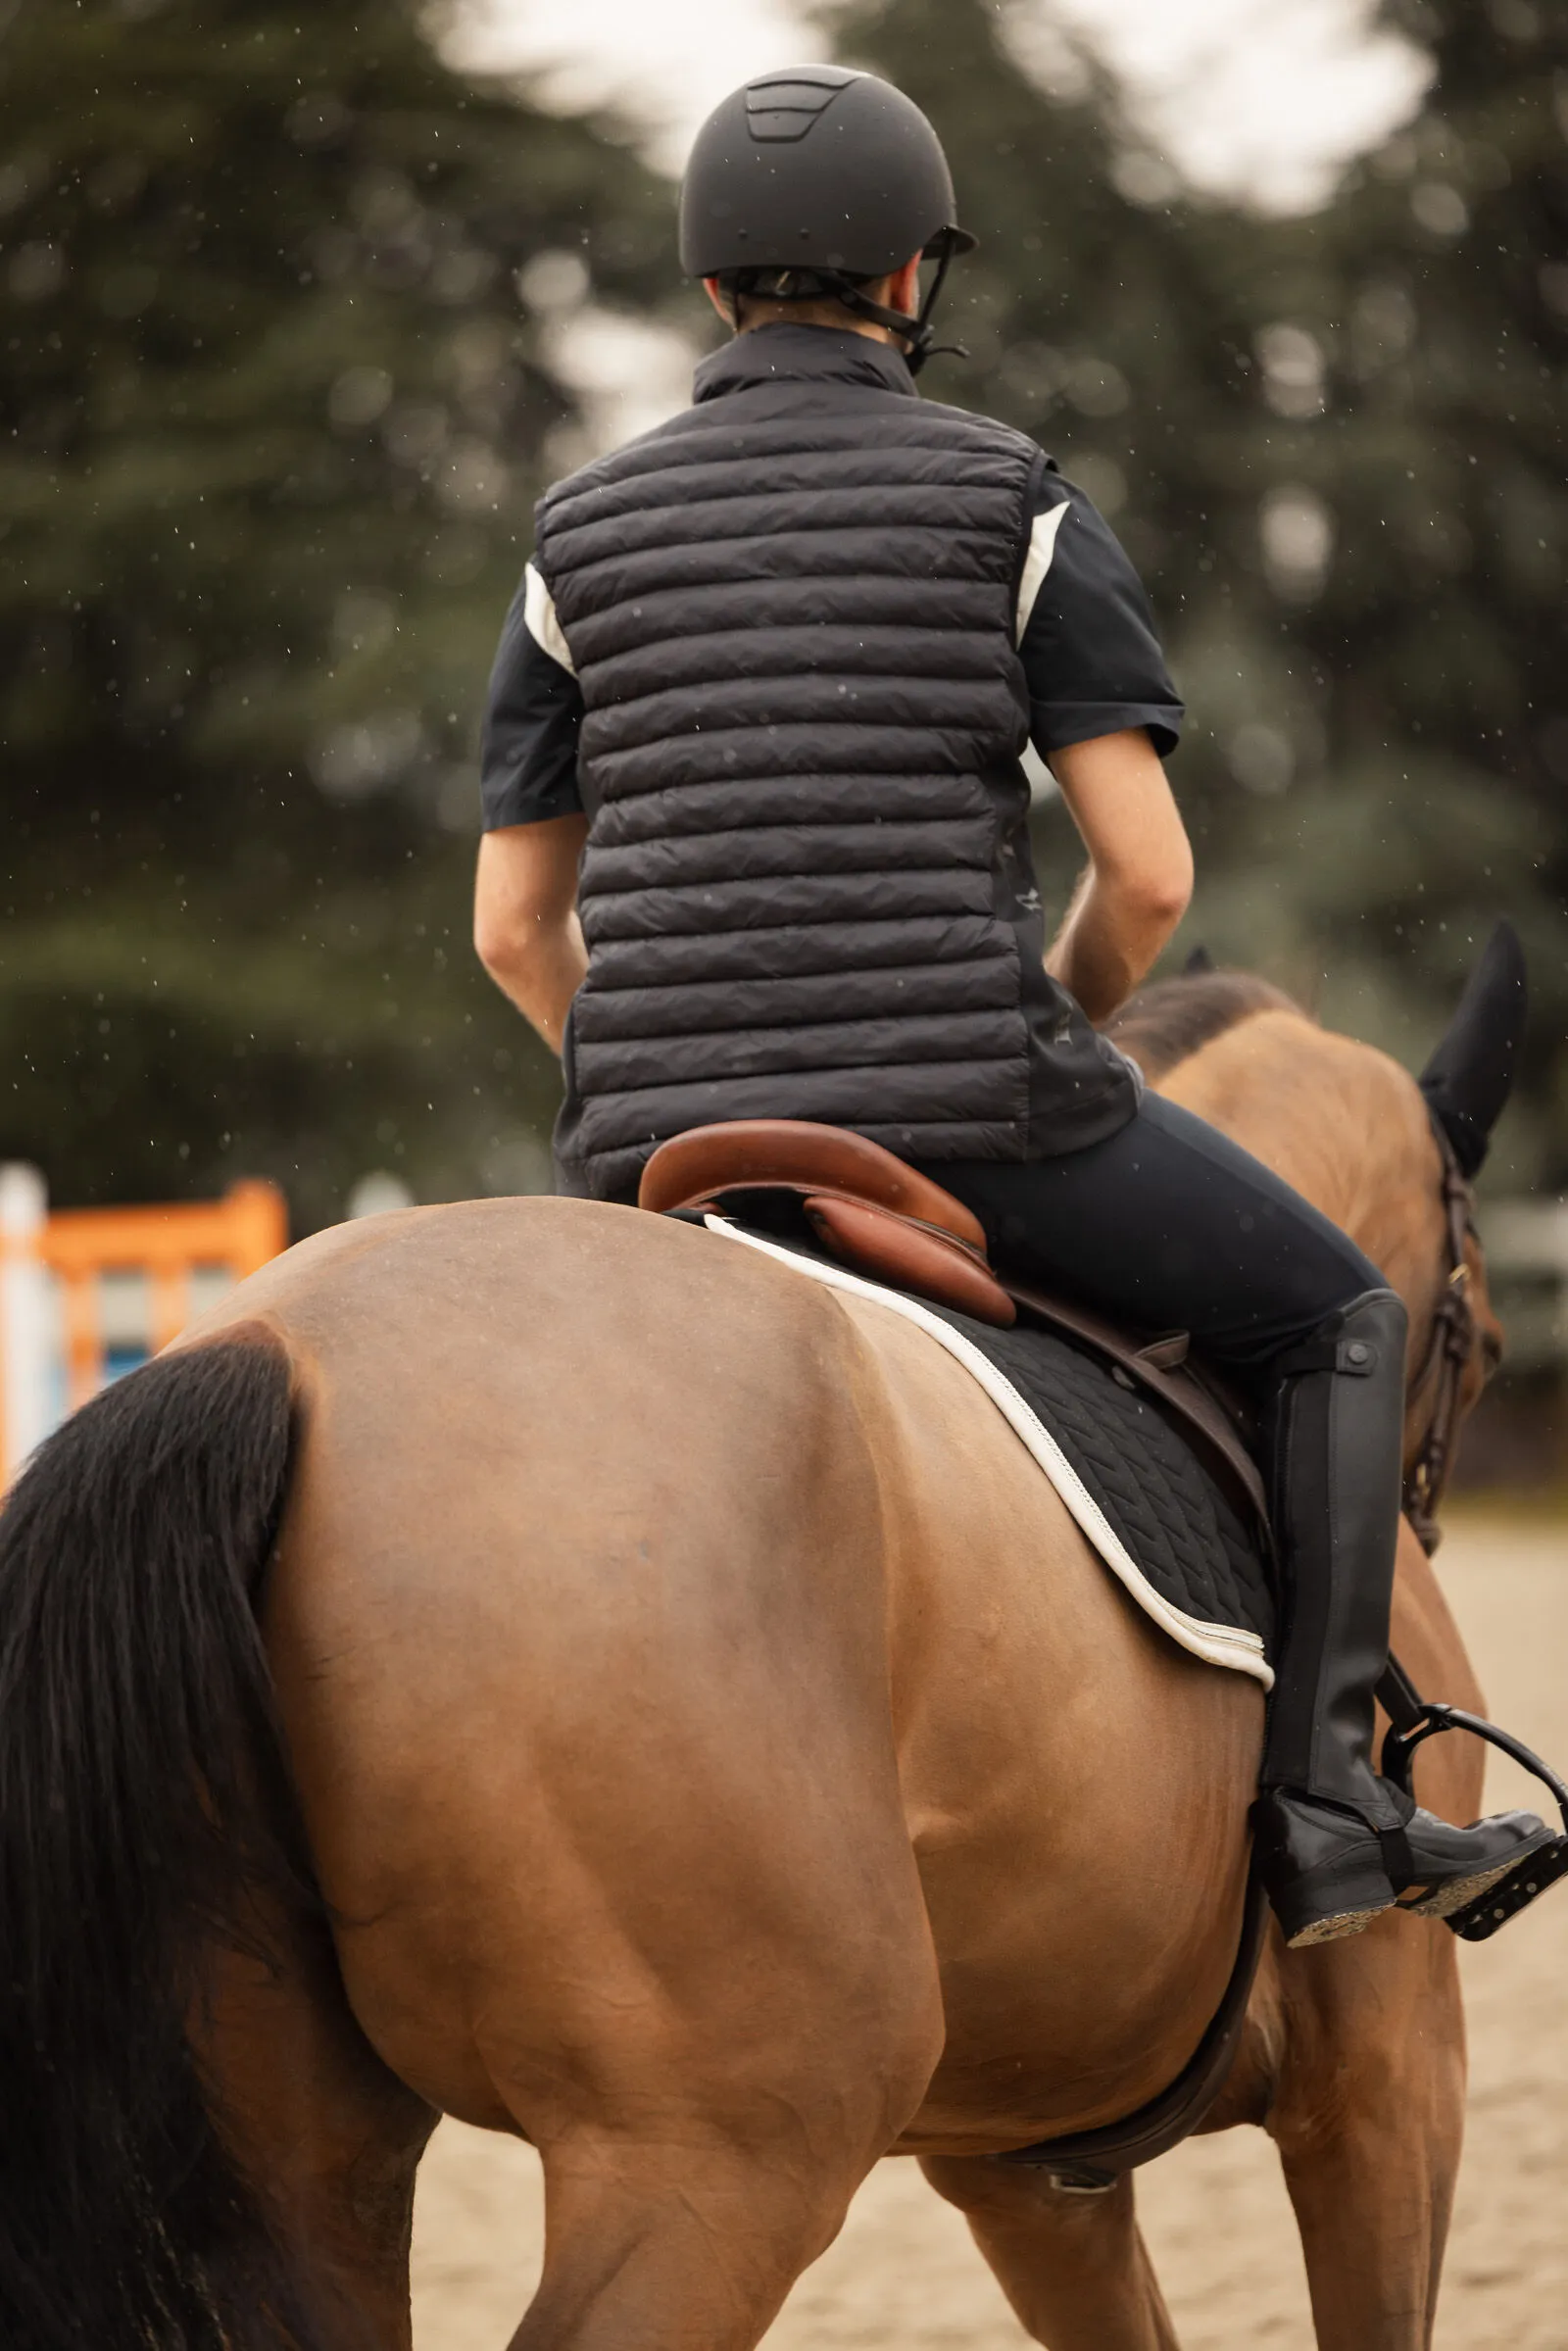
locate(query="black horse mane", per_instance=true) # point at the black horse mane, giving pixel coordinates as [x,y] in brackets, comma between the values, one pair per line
[1164,1024]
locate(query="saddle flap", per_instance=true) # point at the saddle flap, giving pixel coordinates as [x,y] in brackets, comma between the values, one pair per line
[911,1256]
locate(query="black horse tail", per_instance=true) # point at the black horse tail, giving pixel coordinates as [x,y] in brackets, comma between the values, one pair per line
[142,1797]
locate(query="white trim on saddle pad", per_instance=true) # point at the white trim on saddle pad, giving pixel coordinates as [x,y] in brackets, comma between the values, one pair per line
[1218,1645]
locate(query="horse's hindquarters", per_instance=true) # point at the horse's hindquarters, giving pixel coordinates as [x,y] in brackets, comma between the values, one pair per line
[580,1632]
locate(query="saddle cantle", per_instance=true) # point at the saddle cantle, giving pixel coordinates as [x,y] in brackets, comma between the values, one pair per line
[867,1209]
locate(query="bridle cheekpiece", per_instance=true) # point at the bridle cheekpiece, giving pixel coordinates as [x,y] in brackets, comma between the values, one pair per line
[1450,1345]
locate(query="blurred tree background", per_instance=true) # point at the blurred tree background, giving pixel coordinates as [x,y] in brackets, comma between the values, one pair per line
[1334,446]
[279,395]
[288,314]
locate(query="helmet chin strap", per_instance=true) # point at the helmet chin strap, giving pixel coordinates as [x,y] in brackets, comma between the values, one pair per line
[918,334]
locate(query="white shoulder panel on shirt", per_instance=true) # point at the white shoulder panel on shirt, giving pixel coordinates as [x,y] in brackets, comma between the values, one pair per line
[543,625]
[1036,562]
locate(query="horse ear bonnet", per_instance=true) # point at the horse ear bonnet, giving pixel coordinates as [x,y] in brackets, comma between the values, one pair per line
[1471,1074]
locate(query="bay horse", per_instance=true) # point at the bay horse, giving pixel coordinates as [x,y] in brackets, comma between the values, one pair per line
[535,1662]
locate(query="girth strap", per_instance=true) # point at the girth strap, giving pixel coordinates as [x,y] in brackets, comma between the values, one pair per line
[1091,2160]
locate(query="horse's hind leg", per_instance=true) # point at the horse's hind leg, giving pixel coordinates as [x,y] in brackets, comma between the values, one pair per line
[675,2248]
[325,2137]
[709,2076]
[1369,2116]
[684,2198]
[1074,2267]
[699,2152]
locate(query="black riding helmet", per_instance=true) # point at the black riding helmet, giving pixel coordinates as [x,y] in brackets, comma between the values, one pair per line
[809,182]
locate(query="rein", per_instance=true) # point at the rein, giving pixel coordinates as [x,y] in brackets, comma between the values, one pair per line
[1450,1344]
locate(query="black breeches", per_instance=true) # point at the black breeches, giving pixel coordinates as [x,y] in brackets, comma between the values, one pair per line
[1170,1225]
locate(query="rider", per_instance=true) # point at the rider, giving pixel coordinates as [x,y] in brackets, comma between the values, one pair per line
[757,846]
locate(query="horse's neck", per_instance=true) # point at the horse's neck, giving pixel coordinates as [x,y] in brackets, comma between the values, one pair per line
[1339,1121]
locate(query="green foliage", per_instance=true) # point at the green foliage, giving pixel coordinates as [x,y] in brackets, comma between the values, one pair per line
[275,416]
[1437,291]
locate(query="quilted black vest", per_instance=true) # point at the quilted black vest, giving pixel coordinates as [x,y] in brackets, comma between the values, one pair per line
[806,891]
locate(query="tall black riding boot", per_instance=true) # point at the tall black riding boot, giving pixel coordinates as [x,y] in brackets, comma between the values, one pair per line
[1338,1843]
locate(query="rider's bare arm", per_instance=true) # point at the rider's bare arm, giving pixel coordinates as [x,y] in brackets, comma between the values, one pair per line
[525,925]
[1139,879]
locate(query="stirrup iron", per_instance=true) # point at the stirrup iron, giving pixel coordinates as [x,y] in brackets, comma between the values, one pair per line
[1414,1719]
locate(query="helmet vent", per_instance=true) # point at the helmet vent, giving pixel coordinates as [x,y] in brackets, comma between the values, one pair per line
[785,105]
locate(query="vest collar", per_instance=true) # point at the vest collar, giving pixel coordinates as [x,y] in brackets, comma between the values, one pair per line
[781,353]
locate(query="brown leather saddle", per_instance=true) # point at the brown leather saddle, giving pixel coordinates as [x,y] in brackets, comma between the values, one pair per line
[884,1220]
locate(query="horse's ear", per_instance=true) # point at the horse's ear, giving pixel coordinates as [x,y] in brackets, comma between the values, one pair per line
[1470,1076]
[1198,963]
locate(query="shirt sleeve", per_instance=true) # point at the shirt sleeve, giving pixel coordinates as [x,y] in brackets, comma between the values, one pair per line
[1086,633]
[528,754]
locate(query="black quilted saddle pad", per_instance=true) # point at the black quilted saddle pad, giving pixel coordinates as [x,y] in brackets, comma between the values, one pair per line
[1175,1519]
